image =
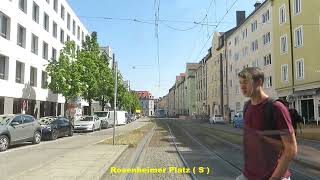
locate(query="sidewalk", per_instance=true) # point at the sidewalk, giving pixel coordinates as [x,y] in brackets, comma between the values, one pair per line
[88,162]
[82,164]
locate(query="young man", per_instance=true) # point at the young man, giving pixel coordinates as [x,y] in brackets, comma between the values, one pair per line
[267,152]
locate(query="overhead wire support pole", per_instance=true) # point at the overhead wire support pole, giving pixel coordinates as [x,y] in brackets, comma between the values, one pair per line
[115,99]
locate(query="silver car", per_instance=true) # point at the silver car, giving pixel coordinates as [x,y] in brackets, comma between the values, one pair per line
[17,128]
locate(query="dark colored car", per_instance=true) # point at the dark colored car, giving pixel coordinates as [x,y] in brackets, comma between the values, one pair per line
[18,128]
[55,127]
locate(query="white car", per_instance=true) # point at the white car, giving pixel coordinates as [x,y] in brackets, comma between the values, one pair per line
[87,123]
[216,119]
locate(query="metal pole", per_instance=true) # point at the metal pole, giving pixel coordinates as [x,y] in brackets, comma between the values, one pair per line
[115,101]
[291,52]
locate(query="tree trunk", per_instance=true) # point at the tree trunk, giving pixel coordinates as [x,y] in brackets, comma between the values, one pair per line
[65,107]
[103,104]
[90,104]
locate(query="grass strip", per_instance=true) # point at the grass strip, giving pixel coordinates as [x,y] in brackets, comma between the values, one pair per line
[131,138]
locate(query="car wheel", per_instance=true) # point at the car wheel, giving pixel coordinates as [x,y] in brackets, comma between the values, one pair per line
[4,143]
[36,137]
[54,134]
[71,131]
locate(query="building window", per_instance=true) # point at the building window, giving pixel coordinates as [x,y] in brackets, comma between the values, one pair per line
[254,45]
[54,29]
[82,36]
[1,105]
[4,66]
[46,22]
[255,63]
[268,82]
[236,56]
[33,76]
[237,89]
[21,33]
[283,44]
[62,12]
[68,21]
[19,72]
[23,5]
[61,36]
[244,33]
[254,26]
[34,44]
[282,14]
[266,38]
[236,40]
[73,27]
[78,33]
[45,50]
[298,36]
[265,17]
[44,79]
[267,60]
[35,12]
[54,54]
[297,6]
[55,5]
[300,69]
[4,26]
[284,72]
[68,38]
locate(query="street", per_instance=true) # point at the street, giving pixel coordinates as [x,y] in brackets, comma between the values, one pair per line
[199,147]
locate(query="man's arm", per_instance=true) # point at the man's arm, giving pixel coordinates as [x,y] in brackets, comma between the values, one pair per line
[290,150]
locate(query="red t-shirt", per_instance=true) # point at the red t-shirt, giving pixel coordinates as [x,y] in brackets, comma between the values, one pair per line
[261,153]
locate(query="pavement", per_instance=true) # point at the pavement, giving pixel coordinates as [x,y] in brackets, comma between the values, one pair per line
[308,150]
[82,164]
[88,162]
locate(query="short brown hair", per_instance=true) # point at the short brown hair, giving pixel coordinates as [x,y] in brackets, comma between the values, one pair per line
[253,73]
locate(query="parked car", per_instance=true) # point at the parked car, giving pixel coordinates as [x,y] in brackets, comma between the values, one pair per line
[238,120]
[216,119]
[54,127]
[87,123]
[17,128]
[104,116]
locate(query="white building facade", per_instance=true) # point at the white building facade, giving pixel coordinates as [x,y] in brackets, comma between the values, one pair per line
[250,45]
[33,32]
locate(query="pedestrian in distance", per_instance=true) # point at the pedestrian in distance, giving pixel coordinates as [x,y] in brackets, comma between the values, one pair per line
[269,143]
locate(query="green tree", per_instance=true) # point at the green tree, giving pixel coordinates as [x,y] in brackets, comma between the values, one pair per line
[105,81]
[89,60]
[65,73]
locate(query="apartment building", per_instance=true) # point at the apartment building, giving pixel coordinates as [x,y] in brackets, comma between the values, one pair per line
[191,87]
[250,44]
[147,102]
[201,85]
[297,69]
[32,33]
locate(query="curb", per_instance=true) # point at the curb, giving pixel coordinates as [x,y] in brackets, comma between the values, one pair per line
[105,169]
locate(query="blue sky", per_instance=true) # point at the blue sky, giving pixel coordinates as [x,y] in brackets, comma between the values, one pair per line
[135,43]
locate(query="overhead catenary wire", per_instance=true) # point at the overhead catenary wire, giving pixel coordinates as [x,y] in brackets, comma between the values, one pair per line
[227,12]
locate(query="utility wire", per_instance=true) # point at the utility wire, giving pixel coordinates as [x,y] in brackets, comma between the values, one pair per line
[227,12]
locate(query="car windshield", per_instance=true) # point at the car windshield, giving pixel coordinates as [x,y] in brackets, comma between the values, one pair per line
[87,119]
[101,114]
[4,119]
[46,120]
